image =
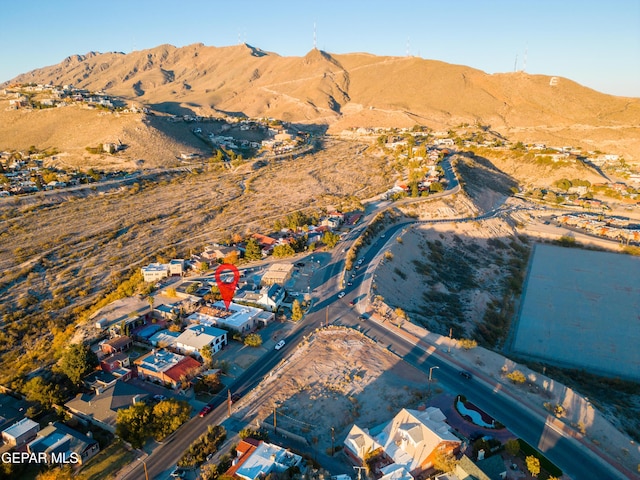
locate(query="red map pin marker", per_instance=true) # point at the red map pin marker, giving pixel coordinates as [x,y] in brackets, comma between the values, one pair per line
[227,289]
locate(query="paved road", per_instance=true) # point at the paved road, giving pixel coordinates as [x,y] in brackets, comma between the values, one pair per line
[568,454]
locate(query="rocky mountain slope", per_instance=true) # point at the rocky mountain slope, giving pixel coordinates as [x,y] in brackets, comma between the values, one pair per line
[355,90]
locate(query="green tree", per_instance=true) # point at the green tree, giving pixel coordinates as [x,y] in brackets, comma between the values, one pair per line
[133,424]
[252,250]
[168,415]
[512,446]
[330,239]
[444,461]
[533,465]
[563,184]
[282,251]
[4,180]
[207,354]
[467,343]
[253,340]
[516,376]
[436,187]
[296,311]
[77,361]
[39,390]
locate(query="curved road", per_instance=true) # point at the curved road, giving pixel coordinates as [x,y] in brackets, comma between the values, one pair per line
[573,458]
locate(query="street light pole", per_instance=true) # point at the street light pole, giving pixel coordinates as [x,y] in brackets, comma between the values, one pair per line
[430,372]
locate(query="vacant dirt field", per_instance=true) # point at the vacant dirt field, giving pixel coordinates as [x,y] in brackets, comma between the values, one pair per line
[339,377]
[59,254]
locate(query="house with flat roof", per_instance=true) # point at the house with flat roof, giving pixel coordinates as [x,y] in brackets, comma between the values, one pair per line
[20,432]
[58,439]
[101,406]
[11,410]
[163,338]
[257,461]
[238,318]
[169,368]
[155,272]
[410,440]
[197,337]
[278,273]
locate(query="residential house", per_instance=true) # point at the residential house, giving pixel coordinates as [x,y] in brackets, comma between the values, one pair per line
[116,344]
[155,272]
[20,432]
[59,439]
[176,266]
[164,338]
[118,364]
[269,297]
[410,440]
[101,407]
[266,243]
[11,410]
[196,337]
[255,462]
[169,368]
[218,252]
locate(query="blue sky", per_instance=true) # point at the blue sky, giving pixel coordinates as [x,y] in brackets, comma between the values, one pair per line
[594,42]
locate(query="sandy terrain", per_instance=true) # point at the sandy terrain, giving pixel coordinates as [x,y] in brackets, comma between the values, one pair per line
[350,379]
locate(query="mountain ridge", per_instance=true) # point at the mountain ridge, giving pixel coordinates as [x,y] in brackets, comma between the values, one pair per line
[341,90]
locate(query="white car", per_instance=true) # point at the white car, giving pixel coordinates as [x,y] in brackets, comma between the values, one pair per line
[341,294]
[280,344]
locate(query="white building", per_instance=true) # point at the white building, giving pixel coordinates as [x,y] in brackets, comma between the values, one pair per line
[239,318]
[197,337]
[267,458]
[21,432]
[154,272]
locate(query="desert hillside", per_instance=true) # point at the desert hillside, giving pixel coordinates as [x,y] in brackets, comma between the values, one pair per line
[355,90]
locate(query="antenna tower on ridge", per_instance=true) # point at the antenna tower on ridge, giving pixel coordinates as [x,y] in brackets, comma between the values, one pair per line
[524,65]
[315,40]
[408,44]
[515,64]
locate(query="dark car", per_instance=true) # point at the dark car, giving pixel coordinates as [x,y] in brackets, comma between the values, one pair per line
[465,374]
[205,410]
[235,397]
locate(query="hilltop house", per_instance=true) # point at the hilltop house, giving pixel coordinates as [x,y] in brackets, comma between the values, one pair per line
[410,440]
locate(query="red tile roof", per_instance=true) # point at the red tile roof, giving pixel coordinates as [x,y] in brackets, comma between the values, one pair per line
[244,450]
[183,367]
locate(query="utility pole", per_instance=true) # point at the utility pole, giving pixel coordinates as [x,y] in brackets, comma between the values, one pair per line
[332,439]
[229,402]
[450,334]
[275,422]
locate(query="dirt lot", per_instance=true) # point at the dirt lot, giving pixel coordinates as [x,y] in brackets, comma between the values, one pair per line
[335,379]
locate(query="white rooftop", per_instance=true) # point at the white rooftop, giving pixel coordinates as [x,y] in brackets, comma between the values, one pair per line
[197,336]
[21,427]
[266,458]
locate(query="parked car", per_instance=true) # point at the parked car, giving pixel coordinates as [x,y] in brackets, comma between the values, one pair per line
[352,303]
[465,374]
[205,410]
[235,397]
[159,398]
[341,294]
[178,473]
[279,345]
